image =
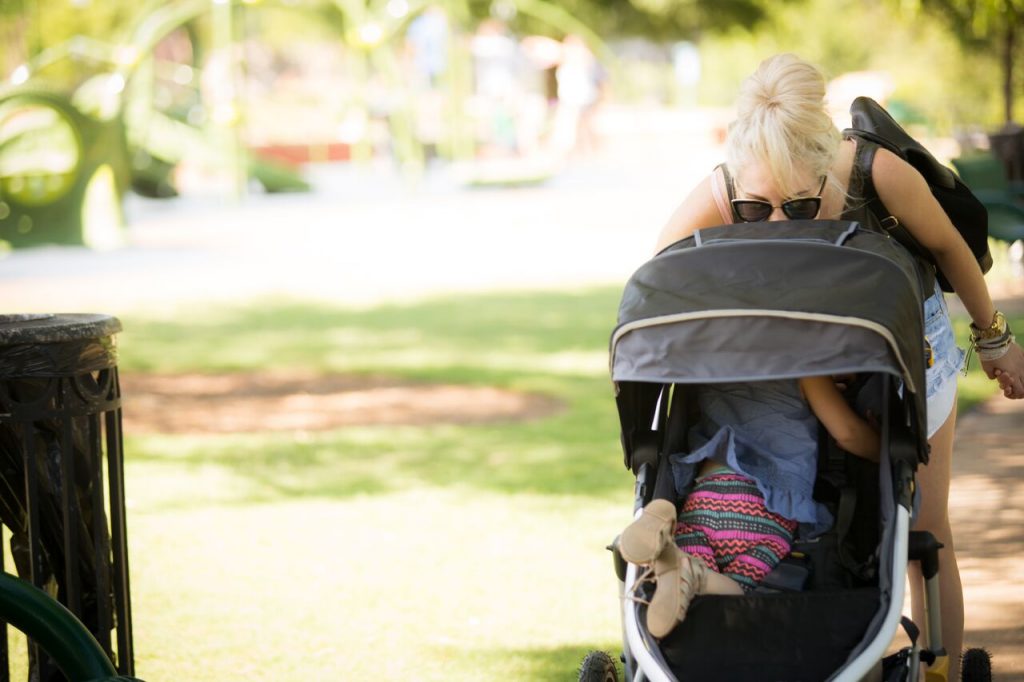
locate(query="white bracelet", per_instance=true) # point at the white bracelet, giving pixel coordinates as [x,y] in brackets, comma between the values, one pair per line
[990,354]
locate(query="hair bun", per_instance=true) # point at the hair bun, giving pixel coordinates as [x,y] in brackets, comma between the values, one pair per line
[782,120]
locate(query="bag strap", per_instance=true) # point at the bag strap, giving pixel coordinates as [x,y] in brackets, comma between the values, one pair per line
[864,161]
[720,178]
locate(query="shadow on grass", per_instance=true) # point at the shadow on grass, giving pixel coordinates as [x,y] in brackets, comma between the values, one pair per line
[551,343]
[556,664]
[451,337]
[572,454]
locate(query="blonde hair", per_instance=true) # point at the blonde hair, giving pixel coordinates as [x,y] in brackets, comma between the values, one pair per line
[781,122]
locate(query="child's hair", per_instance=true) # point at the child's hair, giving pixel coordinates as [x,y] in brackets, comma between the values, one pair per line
[781,121]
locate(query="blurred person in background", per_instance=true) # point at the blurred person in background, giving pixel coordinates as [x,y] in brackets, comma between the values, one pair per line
[498,66]
[580,79]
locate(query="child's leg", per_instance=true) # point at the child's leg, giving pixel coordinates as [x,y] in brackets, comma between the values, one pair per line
[692,538]
[699,521]
[750,567]
[717,583]
[725,522]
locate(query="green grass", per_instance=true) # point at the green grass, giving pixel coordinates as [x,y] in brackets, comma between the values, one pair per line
[440,552]
[422,553]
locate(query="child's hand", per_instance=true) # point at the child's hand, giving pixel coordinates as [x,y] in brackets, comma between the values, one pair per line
[1006,383]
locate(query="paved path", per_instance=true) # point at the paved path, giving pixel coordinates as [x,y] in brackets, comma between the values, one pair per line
[987,513]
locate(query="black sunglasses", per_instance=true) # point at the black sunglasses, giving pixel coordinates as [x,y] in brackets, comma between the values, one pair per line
[801,208]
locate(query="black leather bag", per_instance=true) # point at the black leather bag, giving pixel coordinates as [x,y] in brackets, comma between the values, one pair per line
[873,123]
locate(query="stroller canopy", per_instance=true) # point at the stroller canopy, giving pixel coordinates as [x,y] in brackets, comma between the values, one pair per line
[786,299]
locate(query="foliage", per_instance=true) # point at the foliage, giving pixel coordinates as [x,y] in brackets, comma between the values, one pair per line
[930,71]
[666,19]
[47,23]
[976,22]
[991,27]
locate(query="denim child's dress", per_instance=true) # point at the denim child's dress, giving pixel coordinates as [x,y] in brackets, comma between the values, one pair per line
[766,431]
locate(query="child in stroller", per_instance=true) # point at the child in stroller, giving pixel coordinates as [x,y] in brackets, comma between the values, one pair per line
[754,452]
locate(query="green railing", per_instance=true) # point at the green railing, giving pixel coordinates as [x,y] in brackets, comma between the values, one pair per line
[44,621]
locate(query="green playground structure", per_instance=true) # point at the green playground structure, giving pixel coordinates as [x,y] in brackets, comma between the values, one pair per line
[68,154]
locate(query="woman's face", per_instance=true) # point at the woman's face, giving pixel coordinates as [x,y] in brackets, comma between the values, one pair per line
[755,182]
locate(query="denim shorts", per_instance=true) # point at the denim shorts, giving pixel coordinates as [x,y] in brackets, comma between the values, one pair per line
[940,378]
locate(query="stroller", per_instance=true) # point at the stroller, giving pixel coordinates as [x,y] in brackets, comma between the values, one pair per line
[759,301]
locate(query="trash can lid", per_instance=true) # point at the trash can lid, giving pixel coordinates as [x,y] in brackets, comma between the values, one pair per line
[17,329]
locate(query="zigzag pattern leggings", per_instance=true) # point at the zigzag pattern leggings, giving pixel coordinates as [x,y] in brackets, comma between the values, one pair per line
[724,521]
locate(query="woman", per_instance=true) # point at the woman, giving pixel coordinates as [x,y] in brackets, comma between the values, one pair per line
[787,160]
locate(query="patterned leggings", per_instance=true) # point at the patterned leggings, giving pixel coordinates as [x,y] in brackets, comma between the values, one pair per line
[724,521]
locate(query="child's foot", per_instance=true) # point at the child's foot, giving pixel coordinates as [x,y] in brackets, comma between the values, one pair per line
[679,577]
[644,539]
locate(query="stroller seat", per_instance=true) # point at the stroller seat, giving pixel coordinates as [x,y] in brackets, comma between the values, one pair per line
[797,636]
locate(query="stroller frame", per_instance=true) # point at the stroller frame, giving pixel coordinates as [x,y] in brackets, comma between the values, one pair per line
[731,304]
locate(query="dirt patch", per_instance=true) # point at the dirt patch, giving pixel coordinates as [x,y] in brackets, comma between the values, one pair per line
[240,403]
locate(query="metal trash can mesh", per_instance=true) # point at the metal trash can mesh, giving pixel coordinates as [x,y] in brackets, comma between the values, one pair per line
[61,472]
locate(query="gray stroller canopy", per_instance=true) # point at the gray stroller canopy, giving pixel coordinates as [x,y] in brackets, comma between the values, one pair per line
[776,300]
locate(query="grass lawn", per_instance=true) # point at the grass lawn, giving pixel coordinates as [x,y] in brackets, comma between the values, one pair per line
[428,553]
[399,553]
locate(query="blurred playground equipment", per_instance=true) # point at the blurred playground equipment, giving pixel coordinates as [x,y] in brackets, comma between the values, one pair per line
[229,96]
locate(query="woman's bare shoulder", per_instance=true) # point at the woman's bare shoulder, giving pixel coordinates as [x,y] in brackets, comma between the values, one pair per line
[887,168]
[897,182]
[697,211]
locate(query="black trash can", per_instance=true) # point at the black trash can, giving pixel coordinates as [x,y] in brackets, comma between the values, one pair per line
[62,472]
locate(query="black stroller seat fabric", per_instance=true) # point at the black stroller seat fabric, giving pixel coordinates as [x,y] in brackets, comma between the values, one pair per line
[795,637]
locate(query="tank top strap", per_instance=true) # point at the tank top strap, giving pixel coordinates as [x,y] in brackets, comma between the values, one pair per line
[861,190]
[723,190]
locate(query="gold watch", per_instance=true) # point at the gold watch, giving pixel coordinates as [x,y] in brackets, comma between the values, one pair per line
[994,330]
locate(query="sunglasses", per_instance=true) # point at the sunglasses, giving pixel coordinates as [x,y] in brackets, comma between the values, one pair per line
[802,208]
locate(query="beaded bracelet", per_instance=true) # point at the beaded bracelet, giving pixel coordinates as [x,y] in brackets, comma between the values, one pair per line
[987,347]
[994,352]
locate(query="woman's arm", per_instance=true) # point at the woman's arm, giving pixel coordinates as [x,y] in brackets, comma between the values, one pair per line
[850,431]
[697,211]
[906,194]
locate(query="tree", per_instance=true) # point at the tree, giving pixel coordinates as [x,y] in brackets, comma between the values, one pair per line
[981,24]
[656,19]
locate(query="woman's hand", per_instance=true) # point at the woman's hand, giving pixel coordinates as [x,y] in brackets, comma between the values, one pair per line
[1008,371]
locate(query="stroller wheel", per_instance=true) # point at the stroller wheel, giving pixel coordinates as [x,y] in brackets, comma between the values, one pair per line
[975,666]
[598,667]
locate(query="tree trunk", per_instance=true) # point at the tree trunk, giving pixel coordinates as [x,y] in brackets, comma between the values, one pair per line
[1008,51]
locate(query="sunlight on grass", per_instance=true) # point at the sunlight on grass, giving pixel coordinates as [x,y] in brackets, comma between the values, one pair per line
[424,585]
